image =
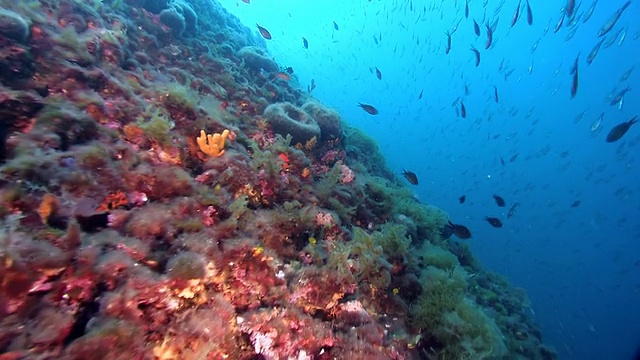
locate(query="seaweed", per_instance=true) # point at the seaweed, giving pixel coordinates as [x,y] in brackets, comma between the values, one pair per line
[156,125]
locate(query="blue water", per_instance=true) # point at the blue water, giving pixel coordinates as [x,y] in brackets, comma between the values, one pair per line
[580,265]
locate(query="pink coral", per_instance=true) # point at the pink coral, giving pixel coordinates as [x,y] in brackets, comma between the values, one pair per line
[209,215]
[324,219]
[346,174]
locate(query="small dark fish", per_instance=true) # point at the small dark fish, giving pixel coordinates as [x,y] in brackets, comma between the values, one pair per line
[574,67]
[576,203]
[513,158]
[489,36]
[289,70]
[369,108]
[619,130]
[495,94]
[476,28]
[411,177]
[305,43]
[264,32]
[516,14]
[571,5]
[448,48]
[512,210]
[574,82]
[495,222]
[378,74]
[501,159]
[462,198]
[460,231]
[466,9]
[420,96]
[335,26]
[529,14]
[477,53]
[499,200]
[463,110]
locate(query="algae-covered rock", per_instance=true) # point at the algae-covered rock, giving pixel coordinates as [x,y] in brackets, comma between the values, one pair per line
[438,257]
[13,26]
[257,59]
[288,119]
[190,16]
[154,6]
[172,18]
[180,18]
[460,328]
[327,119]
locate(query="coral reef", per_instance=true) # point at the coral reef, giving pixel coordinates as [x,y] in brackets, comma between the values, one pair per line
[121,238]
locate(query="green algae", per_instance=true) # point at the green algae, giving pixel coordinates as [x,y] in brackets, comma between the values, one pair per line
[458,324]
[157,125]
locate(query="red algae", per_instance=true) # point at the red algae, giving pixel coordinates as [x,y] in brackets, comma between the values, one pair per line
[121,239]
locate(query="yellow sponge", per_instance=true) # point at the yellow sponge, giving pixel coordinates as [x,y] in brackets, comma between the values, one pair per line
[212,145]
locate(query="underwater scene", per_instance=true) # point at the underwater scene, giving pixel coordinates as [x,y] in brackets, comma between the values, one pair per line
[297,179]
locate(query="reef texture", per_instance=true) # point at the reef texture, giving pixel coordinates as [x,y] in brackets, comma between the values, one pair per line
[121,239]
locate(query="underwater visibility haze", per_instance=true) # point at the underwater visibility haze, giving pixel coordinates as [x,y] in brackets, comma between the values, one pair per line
[293,179]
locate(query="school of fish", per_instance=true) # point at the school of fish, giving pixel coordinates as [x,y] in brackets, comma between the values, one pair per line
[484,23]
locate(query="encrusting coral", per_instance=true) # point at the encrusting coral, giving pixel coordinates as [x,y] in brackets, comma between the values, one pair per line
[122,233]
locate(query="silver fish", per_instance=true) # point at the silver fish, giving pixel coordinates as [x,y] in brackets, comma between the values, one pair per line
[589,12]
[559,23]
[512,210]
[570,33]
[546,29]
[489,41]
[609,24]
[579,117]
[594,51]
[534,47]
[596,126]
[619,96]
[448,47]
[623,36]
[612,39]
[626,75]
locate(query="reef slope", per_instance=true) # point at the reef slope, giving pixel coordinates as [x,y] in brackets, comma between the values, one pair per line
[284,236]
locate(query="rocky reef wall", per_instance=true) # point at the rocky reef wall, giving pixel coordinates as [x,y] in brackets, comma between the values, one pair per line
[166,194]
